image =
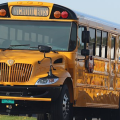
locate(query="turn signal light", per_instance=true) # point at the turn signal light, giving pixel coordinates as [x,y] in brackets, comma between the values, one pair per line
[57,14]
[2,12]
[64,14]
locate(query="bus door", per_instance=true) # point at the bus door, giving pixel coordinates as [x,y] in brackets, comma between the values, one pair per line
[113,61]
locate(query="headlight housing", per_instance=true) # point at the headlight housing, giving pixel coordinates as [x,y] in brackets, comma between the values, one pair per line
[46,81]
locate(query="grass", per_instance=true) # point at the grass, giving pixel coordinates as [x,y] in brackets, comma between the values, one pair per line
[7,117]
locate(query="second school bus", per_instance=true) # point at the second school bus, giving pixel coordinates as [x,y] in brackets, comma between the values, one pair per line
[58,63]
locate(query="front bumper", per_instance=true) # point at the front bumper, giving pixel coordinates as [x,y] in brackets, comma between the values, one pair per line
[28,99]
[30,93]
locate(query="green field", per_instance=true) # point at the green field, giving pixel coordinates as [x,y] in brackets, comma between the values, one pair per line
[7,117]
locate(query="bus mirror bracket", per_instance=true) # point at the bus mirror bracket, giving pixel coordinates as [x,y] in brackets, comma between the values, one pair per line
[46,49]
[87,64]
[85,52]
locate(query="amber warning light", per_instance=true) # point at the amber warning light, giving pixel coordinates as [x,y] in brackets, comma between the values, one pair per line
[2,12]
[30,11]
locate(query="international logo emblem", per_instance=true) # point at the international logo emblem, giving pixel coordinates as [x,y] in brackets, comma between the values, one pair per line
[10,62]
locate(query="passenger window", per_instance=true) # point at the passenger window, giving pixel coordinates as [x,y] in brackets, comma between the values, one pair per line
[104,44]
[113,48]
[119,47]
[98,42]
[91,46]
[81,28]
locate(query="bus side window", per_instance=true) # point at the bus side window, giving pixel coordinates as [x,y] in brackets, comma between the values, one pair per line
[112,48]
[91,46]
[81,46]
[98,42]
[104,44]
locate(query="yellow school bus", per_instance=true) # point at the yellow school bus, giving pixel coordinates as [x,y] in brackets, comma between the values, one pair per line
[58,63]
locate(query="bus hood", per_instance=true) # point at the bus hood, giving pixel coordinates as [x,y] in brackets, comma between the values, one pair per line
[24,67]
[26,56]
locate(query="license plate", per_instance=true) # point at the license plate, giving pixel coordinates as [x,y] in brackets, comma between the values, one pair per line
[7,101]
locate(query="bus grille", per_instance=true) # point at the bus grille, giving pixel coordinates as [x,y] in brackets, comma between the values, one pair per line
[19,72]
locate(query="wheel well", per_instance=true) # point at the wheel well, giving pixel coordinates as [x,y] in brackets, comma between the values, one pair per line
[69,84]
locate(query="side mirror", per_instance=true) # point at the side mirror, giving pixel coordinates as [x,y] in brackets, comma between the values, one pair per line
[85,36]
[85,52]
[44,49]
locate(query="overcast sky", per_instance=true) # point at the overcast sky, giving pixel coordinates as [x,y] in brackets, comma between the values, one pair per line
[105,9]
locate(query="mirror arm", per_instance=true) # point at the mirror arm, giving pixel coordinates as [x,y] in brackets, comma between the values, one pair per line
[51,66]
[84,45]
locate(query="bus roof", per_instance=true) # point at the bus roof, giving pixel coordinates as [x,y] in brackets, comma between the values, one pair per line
[97,20]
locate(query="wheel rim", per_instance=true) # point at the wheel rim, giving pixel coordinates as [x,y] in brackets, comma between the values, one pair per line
[66,106]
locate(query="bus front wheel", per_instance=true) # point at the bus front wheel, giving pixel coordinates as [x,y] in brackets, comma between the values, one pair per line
[42,116]
[61,107]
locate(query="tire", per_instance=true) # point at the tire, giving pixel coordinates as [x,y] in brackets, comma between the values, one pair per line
[79,118]
[60,109]
[42,117]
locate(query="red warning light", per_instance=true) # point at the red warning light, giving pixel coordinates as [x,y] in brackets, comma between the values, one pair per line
[64,14]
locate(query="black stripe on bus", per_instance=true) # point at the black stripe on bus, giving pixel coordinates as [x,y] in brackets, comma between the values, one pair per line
[5,6]
[71,14]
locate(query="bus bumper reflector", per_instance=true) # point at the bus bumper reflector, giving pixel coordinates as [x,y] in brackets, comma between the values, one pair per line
[25,98]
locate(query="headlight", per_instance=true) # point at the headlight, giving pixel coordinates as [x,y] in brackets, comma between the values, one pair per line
[46,81]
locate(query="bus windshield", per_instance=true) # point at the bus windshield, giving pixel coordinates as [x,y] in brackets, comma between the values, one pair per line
[34,33]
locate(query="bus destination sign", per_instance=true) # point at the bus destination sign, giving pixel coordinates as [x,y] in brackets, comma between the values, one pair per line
[30,11]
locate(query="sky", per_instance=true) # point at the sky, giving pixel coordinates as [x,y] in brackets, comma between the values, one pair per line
[105,9]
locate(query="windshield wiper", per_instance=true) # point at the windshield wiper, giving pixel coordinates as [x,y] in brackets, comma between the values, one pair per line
[10,47]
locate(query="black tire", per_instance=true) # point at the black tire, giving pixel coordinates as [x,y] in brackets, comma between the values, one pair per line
[42,116]
[79,118]
[60,109]
[89,118]
[118,115]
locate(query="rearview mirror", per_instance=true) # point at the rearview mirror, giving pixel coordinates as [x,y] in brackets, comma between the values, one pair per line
[44,49]
[85,36]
